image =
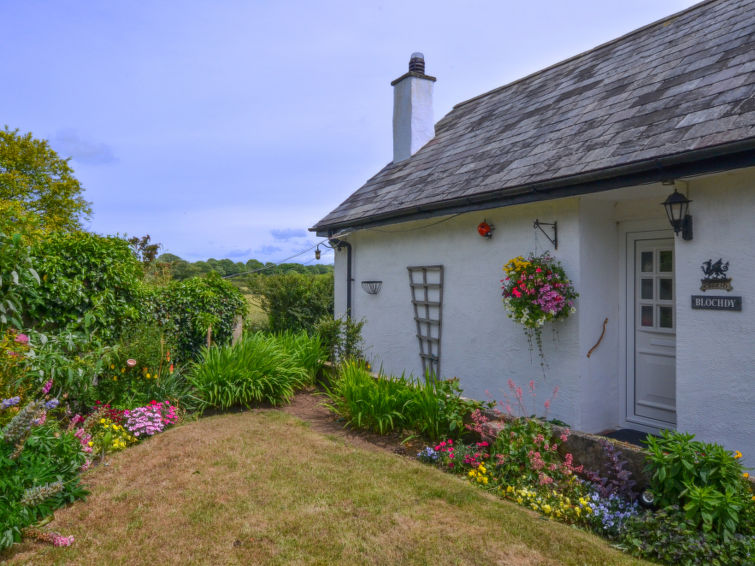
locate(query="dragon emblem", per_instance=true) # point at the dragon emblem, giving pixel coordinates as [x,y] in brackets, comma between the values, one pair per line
[715,275]
[715,270]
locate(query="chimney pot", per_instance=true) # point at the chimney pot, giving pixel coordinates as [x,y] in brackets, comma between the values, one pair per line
[417,63]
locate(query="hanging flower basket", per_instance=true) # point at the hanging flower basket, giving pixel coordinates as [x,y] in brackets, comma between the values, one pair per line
[535,291]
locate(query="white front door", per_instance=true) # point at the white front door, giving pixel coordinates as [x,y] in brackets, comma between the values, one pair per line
[651,391]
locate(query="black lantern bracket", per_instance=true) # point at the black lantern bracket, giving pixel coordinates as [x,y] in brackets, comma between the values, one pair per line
[554,226]
[677,208]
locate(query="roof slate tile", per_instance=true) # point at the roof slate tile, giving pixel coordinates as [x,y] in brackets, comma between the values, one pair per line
[684,83]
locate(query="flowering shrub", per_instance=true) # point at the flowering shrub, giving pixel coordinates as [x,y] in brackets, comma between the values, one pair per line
[150,419]
[427,455]
[535,291]
[55,539]
[99,434]
[611,514]
[525,453]
[14,349]
[39,467]
[550,502]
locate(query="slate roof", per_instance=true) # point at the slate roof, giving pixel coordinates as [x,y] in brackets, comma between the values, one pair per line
[675,89]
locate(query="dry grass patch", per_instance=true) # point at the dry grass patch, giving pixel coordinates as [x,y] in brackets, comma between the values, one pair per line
[261,487]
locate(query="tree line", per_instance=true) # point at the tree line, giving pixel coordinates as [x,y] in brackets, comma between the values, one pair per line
[181,269]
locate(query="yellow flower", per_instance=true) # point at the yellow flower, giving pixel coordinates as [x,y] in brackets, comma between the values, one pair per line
[112,366]
[102,421]
[547,509]
[90,443]
[737,454]
[148,376]
[123,370]
[509,489]
[745,475]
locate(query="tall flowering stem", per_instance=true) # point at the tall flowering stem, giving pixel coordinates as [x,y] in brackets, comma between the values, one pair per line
[535,291]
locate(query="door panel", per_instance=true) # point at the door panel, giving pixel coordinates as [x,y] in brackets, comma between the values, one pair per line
[654,391]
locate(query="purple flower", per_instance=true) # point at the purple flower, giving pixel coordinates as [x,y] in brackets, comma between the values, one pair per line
[46,387]
[10,402]
[52,403]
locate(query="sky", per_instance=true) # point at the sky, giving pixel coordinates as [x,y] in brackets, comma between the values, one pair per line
[227,128]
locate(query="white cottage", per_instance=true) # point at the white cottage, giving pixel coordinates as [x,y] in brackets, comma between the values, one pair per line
[591,148]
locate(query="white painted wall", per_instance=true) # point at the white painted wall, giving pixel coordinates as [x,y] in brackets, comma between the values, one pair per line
[481,346]
[716,350]
[599,290]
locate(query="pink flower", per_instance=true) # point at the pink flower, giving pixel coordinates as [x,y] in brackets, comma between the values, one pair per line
[22,339]
[131,362]
[46,387]
[547,404]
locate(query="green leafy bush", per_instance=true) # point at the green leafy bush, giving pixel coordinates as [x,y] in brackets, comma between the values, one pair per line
[437,410]
[18,280]
[667,536]
[87,281]
[75,361]
[342,337]
[257,369]
[296,302]
[705,479]
[49,456]
[186,309]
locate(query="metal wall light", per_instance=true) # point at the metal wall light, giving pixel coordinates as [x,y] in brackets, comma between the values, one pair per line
[372,287]
[317,252]
[677,206]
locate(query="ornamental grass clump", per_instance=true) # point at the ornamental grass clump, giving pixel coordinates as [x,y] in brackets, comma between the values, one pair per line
[307,351]
[376,404]
[432,408]
[536,290]
[256,370]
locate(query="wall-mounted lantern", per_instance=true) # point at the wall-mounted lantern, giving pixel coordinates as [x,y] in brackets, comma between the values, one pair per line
[677,206]
[372,287]
[485,230]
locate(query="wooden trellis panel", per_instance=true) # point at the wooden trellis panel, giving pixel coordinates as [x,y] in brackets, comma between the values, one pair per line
[426,284]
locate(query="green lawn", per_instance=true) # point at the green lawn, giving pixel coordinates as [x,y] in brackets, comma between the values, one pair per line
[261,487]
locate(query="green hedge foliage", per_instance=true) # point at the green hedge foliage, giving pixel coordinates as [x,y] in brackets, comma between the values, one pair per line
[86,281]
[186,309]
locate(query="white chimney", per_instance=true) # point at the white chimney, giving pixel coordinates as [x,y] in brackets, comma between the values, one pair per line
[413,123]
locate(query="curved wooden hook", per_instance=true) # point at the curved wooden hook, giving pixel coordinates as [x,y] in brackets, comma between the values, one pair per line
[599,339]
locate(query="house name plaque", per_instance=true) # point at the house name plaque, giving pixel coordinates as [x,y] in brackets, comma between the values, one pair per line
[716,303]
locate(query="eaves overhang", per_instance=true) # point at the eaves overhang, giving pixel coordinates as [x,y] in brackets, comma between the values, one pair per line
[713,159]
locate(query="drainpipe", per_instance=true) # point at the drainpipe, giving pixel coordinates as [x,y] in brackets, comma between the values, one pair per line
[338,244]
